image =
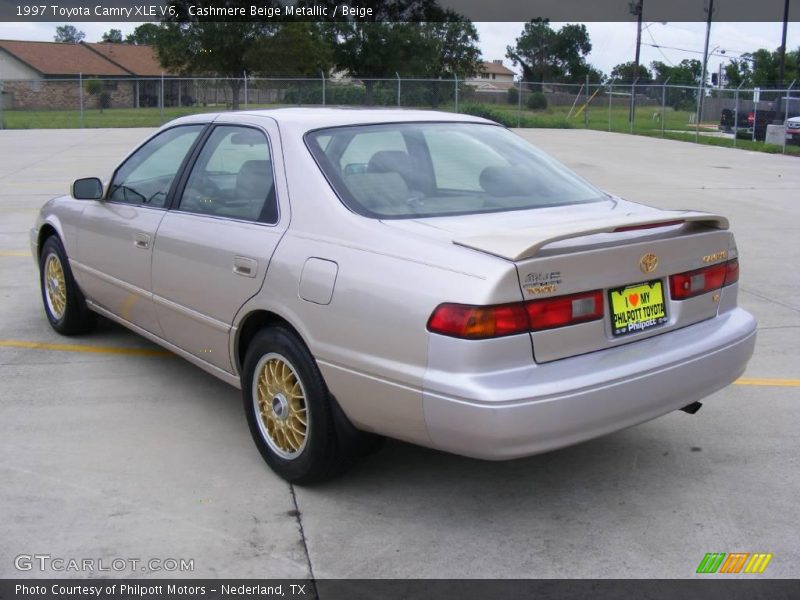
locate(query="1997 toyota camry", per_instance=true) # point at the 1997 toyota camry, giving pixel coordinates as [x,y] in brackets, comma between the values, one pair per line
[425,276]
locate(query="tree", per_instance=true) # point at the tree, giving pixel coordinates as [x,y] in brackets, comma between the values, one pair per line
[113,36]
[738,72]
[765,67]
[625,72]
[572,45]
[448,48]
[144,35]
[686,73]
[291,49]
[192,45]
[68,34]
[407,37]
[549,55]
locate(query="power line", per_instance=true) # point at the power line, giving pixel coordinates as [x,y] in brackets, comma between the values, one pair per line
[720,54]
[655,45]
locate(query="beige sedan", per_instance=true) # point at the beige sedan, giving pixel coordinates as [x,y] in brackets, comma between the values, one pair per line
[425,276]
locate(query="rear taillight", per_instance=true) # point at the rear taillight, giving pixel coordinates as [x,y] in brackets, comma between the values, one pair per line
[564,310]
[732,276]
[478,322]
[701,281]
[481,322]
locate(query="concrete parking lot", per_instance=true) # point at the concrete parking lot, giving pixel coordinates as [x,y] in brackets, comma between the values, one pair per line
[111,448]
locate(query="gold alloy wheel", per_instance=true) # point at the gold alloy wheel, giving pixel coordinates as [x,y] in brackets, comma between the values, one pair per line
[55,286]
[280,400]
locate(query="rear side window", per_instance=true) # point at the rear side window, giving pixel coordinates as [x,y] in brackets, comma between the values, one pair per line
[146,177]
[412,170]
[233,177]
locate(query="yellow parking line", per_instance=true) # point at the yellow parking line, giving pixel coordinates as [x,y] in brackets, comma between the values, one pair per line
[757,381]
[20,253]
[81,348]
[768,382]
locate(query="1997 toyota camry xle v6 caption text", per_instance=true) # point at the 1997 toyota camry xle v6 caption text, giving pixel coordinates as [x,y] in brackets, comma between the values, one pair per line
[425,276]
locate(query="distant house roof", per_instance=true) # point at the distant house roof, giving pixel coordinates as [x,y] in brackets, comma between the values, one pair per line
[495,66]
[55,59]
[482,85]
[52,58]
[138,60]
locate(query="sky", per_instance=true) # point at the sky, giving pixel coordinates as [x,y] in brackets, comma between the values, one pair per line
[612,43]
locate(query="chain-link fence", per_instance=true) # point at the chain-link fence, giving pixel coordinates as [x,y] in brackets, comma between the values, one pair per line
[726,116]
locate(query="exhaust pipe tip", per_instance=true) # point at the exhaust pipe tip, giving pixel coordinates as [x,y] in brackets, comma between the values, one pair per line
[692,408]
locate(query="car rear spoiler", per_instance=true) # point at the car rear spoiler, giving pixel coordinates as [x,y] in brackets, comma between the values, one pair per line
[519,244]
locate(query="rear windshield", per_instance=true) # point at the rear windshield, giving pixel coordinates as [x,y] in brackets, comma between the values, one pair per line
[412,170]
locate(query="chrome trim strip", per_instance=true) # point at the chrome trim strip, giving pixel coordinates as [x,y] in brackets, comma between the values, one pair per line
[192,314]
[109,279]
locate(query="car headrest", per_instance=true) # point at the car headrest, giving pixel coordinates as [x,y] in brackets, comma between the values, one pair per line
[385,191]
[506,181]
[386,161]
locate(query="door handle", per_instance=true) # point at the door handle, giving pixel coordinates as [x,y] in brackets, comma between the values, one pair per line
[244,266]
[141,240]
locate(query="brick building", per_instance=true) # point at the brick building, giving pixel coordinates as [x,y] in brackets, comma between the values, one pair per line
[47,75]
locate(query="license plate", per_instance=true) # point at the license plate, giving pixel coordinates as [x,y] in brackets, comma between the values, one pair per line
[637,307]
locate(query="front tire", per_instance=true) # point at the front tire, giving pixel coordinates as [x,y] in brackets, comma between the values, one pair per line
[64,303]
[290,412]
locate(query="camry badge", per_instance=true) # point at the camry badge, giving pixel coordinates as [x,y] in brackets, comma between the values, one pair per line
[648,263]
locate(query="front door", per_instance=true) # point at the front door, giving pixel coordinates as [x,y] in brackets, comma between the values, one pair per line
[116,235]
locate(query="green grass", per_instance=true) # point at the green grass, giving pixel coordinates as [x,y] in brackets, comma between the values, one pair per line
[597,117]
[93,118]
[676,123]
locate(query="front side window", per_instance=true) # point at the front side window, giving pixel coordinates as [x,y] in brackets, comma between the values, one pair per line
[412,170]
[146,177]
[233,177]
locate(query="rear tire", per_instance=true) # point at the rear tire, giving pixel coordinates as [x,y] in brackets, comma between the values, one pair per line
[291,415]
[64,303]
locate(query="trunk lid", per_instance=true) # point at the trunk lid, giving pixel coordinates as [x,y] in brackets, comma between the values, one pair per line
[626,250]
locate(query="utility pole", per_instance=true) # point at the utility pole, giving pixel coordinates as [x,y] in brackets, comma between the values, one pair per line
[636,9]
[705,64]
[782,64]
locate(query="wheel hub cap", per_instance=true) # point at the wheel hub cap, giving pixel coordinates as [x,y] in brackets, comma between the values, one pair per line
[281,404]
[55,286]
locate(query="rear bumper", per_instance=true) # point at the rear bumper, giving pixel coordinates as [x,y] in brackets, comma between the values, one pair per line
[572,400]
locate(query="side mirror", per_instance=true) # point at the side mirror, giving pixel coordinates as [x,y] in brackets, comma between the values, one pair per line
[89,188]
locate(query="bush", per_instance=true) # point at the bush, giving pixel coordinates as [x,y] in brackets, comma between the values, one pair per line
[487,112]
[513,95]
[94,88]
[509,118]
[537,101]
[105,100]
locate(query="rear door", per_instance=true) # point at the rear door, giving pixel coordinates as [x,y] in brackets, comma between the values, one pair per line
[116,235]
[213,248]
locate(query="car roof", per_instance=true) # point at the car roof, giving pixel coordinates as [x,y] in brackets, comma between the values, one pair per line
[307,119]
